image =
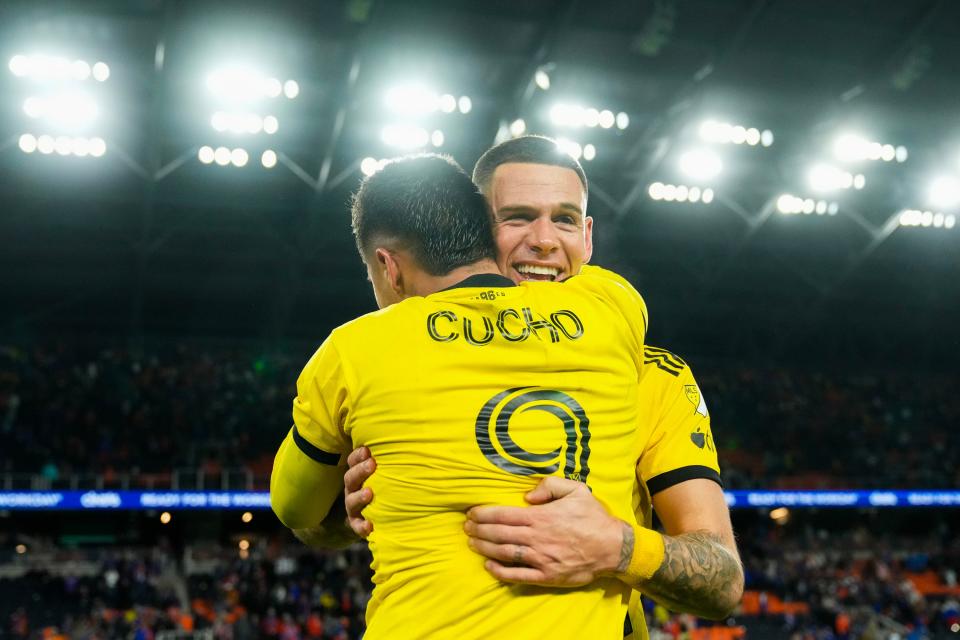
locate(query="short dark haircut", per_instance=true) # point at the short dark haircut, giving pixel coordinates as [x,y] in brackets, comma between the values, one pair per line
[428,204]
[528,150]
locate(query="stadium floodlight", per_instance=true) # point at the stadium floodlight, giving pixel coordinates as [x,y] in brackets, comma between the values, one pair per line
[34,107]
[591,117]
[436,138]
[718,132]
[246,84]
[405,136]
[272,88]
[63,145]
[700,164]
[19,65]
[447,103]
[851,147]
[28,143]
[97,147]
[45,144]
[101,71]
[564,115]
[205,154]
[68,110]
[271,125]
[623,120]
[222,156]
[518,127]
[935,219]
[789,204]
[944,191]
[738,135]
[825,177]
[269,160]
[542,78]
[465,104]
[81,147]
[253,123]
[240,123]
[589,152]
[854,147]
[570,148]
[219,121]
[47,68]
[239,157]
[679,193]
[607,119]
[414,99]
[368,166]
[80,69]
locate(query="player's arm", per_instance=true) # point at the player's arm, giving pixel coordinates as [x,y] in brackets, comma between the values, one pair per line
[700,570]
[307,476]
[345,524]
[305,482]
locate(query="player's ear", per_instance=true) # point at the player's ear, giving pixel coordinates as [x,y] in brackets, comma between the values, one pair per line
[391,269]
[587,239]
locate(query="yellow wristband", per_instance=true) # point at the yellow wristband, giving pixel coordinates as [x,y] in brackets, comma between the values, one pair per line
[648,554]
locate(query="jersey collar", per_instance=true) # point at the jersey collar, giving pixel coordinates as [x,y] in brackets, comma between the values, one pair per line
[482,280]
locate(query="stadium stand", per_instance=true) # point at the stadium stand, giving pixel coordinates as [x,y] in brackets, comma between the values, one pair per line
[187,417]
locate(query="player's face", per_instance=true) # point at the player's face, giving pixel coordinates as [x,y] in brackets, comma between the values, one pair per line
[543,232]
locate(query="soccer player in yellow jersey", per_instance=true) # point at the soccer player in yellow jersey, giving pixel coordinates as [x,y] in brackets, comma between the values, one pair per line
[539,199]
[468,389]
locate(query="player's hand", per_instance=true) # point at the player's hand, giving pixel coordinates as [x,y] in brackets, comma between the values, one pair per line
[565,539]
[355,495]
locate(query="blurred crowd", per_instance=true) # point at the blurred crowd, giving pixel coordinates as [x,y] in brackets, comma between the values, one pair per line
[68,411]
[274,592]
[856,580]
[802,584]
[799,429]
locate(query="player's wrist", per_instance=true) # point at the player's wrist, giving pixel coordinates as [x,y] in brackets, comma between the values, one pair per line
[642,553]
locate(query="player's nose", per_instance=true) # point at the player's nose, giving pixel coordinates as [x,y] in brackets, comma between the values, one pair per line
[543,238]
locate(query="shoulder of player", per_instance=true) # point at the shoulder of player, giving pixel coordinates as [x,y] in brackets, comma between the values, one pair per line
[665,367]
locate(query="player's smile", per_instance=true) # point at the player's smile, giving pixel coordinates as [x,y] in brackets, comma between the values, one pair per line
[532,271]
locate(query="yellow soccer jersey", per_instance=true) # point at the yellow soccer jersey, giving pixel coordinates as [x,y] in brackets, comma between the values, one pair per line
[468,397]
[678,443]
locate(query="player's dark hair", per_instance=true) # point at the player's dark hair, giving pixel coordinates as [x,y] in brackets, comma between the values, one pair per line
[429,205]
[528,150]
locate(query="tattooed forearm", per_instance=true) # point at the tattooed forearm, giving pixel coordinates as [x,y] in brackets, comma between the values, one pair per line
[699,575]
[626,548]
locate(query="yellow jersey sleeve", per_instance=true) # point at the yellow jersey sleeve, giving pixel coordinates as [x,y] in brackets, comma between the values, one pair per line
[680,446]
[623,293]
[307,471]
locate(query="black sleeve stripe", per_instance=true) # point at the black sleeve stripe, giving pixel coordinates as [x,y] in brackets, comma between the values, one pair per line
[314,453]
[672,358]
[661,366]
[666,480]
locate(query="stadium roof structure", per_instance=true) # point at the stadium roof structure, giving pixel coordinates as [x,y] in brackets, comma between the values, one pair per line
[157,238]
